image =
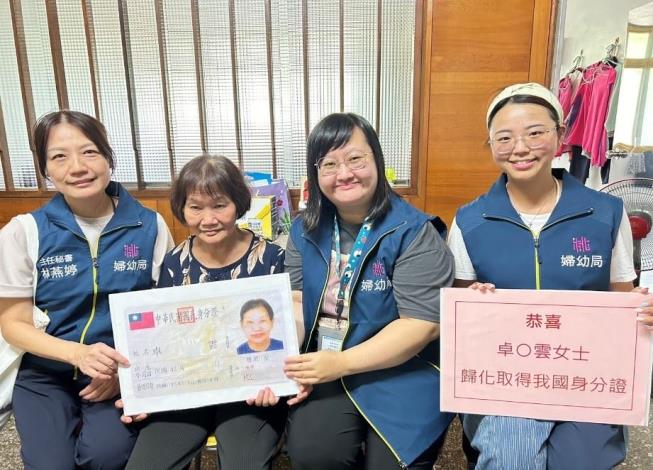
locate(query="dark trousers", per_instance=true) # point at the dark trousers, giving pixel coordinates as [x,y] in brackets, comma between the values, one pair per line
[59,430]
[579,166]
[585,446]
[471,454]
[326,432]
[247,437]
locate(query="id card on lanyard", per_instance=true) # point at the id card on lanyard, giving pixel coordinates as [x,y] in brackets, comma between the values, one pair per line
[331,332]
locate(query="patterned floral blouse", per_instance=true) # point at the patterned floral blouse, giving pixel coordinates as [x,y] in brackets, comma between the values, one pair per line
[180,268]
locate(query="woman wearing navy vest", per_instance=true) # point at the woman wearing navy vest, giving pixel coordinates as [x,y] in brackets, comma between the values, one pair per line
[93,239]
[368,269]
[534,209]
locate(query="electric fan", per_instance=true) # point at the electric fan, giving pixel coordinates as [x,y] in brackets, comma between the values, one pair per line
[637,195]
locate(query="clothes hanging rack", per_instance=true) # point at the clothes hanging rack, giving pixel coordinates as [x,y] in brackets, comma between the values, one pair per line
[612,52]
[577,63]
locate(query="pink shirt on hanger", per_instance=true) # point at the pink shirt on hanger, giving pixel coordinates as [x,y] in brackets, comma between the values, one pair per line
[595,138]
[575,120]
[587,130]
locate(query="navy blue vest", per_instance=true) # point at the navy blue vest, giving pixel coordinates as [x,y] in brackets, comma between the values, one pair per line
[401,403]
[66,289]
[573,250]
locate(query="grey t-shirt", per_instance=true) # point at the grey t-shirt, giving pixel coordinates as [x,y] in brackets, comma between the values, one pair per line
[419,273]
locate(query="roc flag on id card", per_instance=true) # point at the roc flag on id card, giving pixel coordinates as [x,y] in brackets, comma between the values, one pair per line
[140,321]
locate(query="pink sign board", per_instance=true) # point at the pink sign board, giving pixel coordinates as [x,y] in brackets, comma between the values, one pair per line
[554,355]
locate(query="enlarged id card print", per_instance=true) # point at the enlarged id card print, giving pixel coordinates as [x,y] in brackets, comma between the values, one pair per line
[203,344]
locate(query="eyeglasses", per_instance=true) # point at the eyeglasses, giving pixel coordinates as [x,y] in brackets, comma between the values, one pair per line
[328,166]
[533,139]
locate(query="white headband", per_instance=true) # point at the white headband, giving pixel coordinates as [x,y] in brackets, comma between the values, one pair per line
[529,89]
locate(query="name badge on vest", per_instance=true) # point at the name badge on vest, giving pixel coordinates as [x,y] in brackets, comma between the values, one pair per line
[328,343]
[331,340]
[331,334]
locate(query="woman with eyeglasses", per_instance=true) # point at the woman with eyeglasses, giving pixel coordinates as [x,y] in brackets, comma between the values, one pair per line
[367,268]
[534,209]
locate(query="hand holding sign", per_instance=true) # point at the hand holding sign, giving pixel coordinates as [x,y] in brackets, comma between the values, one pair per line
[554,355]
[98,360]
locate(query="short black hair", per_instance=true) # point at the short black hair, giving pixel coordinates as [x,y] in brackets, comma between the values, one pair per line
[255,303]
[525,99]
[214,175]
[88,125]
[331,133]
